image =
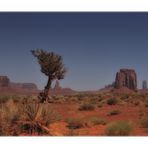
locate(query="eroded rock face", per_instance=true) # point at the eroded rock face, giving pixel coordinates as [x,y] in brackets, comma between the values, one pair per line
[26,86]
[126,78]
[4,81]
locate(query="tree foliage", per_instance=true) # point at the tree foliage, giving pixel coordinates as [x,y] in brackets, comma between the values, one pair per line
[51,65]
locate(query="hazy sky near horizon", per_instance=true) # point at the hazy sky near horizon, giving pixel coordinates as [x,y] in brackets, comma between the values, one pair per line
[94,46]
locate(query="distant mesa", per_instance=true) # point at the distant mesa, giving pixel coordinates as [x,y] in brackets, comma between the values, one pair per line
[8,87]
[4,81]
[26,86]
[58,90]
[126,78]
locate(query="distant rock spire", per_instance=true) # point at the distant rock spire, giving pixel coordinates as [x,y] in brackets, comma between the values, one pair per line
[57,85]
[144,84]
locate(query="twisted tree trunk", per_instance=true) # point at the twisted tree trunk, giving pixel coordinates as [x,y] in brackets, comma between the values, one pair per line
[43,96]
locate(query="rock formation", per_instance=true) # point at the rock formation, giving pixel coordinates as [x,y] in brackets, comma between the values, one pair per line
[7,85]
[4,81]
[57,85]
[29,86]
[144,84]
[126,78]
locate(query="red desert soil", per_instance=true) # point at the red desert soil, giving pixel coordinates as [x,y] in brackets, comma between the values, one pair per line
[67,110]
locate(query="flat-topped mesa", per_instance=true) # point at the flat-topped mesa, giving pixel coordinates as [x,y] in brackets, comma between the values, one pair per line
[30,86]
[4,81]
[126,78]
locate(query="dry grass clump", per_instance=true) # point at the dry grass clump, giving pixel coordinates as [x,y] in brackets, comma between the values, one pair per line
[24,117]
[9,115]
[144,122]
[98,121]
[112,101]
[74,123]
[37,117]
[121,128]
[86,107]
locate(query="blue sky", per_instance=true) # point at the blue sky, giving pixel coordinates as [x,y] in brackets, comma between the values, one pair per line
[94,46]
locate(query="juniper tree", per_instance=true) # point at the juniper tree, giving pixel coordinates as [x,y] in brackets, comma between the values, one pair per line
[52,66]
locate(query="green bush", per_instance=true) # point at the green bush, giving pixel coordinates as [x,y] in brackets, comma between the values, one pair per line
[112,101]
[74,123]
[86,107]
[119,129]
[144,122]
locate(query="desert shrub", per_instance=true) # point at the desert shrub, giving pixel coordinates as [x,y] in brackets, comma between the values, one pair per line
[4,99]
[97,120]
[49,115]
[31,111]
[10,112]
[25,100]
[112,101]
[93,99]
[114,112]
[119,129]
[43,113]
[86,107]
[144,122]
[36,117]
[80,96]
[17,98]
[74,123]
[31,128]
[9,115]
[100,99]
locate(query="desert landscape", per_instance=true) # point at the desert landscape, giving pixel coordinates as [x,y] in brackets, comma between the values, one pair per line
[119,109]
[73,74]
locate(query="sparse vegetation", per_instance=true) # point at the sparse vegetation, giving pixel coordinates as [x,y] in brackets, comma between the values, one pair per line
[144,122]
[24,115]
[97,121]
[119,129]
[86,107]
[112,101]
[74,123]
